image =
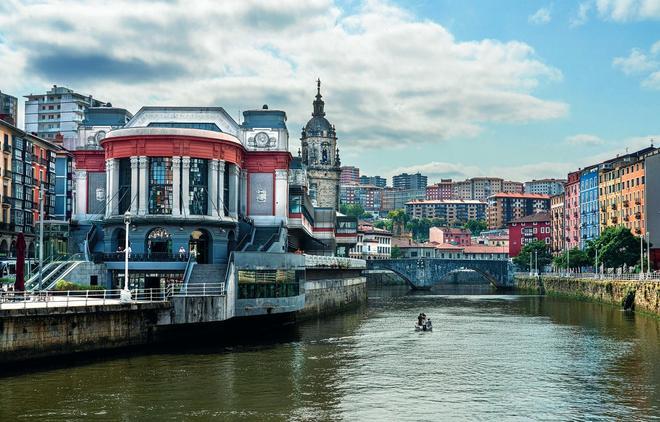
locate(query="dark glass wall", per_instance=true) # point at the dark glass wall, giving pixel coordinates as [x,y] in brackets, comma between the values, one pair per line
[199,177]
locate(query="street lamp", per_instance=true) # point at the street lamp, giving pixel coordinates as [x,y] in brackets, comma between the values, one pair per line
[125,295]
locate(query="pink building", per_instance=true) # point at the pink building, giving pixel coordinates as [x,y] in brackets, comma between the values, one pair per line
[459,237]
[572,211]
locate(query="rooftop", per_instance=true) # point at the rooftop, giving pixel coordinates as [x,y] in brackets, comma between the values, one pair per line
[485,249]
[445,201]
[539,217]
[520,195]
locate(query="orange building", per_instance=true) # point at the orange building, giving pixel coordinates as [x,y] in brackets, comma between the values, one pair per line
[621,187]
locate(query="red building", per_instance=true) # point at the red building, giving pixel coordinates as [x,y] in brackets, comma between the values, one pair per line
[440,190]
[527,229]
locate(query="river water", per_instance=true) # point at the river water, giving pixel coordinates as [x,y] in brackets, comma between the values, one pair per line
[490,357]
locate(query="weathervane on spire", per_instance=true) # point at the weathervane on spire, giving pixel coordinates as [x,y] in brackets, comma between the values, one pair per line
[318,86]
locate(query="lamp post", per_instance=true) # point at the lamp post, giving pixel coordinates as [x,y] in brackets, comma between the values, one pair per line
[641,254]
[536,263]
[648,253]
[125,295]
[597,261]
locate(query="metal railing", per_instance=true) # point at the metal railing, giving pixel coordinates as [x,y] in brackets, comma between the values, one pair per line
[71,298]
[141,257]
[597,276]
[333,262]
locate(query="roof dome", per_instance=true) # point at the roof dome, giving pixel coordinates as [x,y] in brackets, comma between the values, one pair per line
[318,125]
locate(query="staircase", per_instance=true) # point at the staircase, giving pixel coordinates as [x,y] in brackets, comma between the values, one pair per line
[262,237]
[207,274]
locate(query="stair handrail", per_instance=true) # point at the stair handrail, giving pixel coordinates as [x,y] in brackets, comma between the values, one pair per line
[192,260]
[242,244]
[89,238]
[273,238]
[230,266]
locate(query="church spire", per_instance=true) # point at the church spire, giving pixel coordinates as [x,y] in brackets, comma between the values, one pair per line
[318,103]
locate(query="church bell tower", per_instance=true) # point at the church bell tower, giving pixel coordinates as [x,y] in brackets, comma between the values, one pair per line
[321,155]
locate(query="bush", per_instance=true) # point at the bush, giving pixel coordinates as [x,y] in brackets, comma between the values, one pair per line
[7,280]
[64,285]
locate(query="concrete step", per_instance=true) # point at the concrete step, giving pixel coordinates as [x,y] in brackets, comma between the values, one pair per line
[208,273]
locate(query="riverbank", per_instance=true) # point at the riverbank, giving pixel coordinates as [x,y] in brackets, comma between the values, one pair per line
[644,296]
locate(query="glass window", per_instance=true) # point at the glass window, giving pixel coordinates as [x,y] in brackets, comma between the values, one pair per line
[199,178]
[124,192]
[160,185]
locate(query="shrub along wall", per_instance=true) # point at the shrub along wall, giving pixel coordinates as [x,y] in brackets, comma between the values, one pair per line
[617,292]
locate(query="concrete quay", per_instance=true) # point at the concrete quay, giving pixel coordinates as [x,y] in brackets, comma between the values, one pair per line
[643,295]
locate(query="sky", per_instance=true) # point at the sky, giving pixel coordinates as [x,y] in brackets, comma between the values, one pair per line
[453,89]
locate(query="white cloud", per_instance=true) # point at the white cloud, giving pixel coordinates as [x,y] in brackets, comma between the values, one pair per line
[540,17]
[655,48]
[437,170]
[628,10]
[619,11]
[639,62]
[652,81]
[636,62]
[546,169]
[584,139]
[388,78]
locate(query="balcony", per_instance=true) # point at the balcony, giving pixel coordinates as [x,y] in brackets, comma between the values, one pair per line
[638,231]
[615,220]
[613,206]
[7,226]
[638,201]
[626,203]
[6,148]
[6,200]
[638,216]
[6,173]
[141,257]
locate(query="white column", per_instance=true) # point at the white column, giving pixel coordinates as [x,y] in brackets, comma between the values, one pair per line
[144,184]
[244,192]
[134,185]
[281,193]
[115,187]
[213,188]
[81,193]
[110,188]
[185,186]
[176,186]
[233,190]
[220,197]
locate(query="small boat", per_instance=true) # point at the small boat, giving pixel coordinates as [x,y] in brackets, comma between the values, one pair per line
[426,326]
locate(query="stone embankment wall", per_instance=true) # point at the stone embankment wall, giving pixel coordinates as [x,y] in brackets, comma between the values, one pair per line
[38,333]
[646,293]
[325,295]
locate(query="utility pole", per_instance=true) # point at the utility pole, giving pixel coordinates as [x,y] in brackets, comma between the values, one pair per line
[536,262]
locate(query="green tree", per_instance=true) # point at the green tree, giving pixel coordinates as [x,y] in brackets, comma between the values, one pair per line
[537,250]
[616,246]
[475,226]
[399,220]
[578,258]
[384,224]
[419,228]
[354,210]
[396,252]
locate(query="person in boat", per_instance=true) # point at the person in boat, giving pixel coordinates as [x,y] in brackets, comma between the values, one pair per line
[420,319]
[429,325]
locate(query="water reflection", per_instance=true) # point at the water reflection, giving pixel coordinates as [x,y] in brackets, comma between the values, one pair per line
[490,356]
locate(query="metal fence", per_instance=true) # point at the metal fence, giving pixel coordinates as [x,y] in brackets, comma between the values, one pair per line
[72,298]
[597,276]
[334,262]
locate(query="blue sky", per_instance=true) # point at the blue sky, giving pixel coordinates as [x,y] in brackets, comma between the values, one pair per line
[516,89]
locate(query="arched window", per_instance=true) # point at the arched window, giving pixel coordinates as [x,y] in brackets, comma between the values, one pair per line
[159,241]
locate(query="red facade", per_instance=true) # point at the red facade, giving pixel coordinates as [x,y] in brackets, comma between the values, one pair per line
[524,231]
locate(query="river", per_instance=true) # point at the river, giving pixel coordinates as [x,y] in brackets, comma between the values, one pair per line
[490,357]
